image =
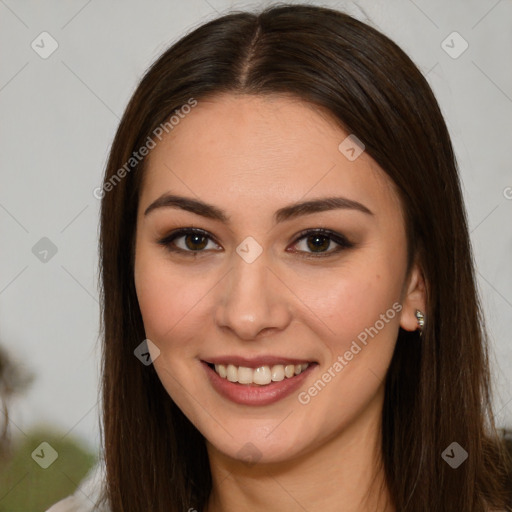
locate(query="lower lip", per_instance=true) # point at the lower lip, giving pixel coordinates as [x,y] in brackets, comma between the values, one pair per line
[252,394]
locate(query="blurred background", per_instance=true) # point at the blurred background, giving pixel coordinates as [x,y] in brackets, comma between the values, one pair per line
[68,70]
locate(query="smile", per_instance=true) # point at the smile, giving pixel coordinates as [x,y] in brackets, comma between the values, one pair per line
[261,376]
[264,383]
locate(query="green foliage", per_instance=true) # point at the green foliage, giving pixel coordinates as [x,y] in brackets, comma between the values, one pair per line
[26,487]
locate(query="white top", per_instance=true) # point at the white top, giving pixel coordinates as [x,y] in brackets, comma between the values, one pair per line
[86,495]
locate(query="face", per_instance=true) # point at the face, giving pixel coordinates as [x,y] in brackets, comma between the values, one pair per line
[298,307]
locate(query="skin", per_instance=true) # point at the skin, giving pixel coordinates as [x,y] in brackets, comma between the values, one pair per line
[251,155]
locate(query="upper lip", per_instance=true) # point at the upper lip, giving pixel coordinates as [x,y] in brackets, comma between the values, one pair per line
[255,362]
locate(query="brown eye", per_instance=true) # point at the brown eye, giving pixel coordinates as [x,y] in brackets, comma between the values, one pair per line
[318,242]
[190,241]
[195,241]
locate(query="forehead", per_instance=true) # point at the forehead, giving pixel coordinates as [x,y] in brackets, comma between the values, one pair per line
[253,148]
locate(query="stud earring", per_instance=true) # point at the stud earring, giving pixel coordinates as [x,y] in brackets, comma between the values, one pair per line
[421,320]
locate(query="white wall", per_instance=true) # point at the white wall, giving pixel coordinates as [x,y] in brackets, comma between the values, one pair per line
[58,117]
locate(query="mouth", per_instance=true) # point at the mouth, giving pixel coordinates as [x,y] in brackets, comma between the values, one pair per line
[260,382]
[259,376]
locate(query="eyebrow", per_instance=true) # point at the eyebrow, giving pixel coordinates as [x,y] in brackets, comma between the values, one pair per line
[286,213]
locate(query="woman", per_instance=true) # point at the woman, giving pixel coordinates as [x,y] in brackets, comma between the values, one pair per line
[290,315]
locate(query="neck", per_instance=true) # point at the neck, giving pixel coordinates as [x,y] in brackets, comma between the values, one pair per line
[343,473]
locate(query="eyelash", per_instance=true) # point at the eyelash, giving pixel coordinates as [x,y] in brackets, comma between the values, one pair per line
[342,242]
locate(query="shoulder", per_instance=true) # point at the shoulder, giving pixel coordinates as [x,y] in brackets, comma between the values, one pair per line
[69,504]
[76,504]
[88,496]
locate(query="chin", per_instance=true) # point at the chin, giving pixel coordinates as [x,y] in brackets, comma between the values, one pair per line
[253,450]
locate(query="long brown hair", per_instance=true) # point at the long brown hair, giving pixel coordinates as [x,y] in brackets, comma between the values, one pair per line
[437,388]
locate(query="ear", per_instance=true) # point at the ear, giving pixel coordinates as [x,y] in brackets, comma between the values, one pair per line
[414,298]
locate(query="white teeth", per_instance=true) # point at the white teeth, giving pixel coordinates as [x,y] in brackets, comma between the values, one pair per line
[289,370]
[232,373]
[262,375]
[221,370]
[277,372]
[245,375]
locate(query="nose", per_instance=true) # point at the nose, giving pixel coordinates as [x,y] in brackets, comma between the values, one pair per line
[253,301]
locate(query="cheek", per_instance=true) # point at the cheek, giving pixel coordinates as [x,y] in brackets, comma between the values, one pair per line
[362,312]
[165,298]
[361,305]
